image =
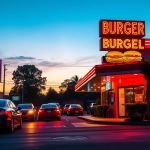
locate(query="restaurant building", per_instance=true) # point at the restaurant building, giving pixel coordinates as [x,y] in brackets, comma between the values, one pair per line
[120,78]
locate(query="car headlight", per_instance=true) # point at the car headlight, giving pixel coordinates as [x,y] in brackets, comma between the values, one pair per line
[30,112]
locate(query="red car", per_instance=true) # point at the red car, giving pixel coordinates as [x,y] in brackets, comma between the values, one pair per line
[49,111]
[65,108]
[75,109]
[10,116]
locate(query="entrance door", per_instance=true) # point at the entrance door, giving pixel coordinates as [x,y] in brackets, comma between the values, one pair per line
[121,102]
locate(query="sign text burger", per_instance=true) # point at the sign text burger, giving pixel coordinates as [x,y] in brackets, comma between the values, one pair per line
[122,28]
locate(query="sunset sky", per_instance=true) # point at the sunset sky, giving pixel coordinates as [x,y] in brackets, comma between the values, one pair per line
[60,37]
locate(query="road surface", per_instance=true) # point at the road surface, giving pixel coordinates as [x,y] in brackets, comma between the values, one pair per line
[72,133]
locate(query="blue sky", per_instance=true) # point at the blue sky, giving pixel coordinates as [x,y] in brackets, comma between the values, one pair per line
[60,32]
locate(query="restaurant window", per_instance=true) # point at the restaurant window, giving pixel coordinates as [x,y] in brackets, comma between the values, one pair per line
[129,96]
[139,94]
[134,94]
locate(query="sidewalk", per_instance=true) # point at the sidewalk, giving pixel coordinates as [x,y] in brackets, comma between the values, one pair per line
[117,121]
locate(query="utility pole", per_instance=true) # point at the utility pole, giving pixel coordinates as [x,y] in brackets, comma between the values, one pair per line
[4,80]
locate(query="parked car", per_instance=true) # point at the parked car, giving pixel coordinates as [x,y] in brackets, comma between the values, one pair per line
[90,108]
[10,116]
[49,111]
[75,109]
[65,108]
[28,111]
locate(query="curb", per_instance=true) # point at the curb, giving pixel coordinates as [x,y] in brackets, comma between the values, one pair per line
[115,123]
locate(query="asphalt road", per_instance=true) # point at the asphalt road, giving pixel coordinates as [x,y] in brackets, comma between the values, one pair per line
[72,133]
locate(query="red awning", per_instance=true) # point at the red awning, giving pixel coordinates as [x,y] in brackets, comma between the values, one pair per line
[109,69]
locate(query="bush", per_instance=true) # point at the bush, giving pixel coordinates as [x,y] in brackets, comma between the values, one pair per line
[100,110]
[136,111]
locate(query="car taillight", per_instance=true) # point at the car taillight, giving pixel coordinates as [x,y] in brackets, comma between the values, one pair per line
[57,110]
[8,113]
[40,111]
[70,109]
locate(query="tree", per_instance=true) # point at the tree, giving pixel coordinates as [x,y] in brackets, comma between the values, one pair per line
[69,84]
[73,82]
[52,95]
[28,79]
[67,91]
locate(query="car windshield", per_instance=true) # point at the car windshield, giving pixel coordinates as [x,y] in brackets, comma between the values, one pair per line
[2,103]
[25,106]
[75,106]
[67,105]
[46,106]
[53,106]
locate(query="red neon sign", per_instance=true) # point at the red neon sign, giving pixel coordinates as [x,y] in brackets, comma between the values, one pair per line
[122,28]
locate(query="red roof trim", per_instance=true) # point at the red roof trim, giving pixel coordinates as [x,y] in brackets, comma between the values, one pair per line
[86,77]
[107,69]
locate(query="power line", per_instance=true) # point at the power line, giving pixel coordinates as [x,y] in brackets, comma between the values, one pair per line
[47,85]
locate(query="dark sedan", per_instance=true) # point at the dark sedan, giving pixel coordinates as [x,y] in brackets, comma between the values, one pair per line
[10,116]
[28,111]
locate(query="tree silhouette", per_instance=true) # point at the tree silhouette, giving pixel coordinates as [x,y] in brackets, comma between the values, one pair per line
[29,79]
[68,84]
[52,95]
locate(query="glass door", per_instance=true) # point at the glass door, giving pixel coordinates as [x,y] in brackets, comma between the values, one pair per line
[121,102]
